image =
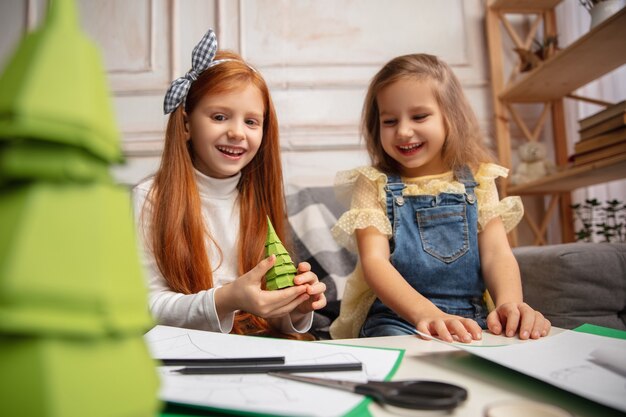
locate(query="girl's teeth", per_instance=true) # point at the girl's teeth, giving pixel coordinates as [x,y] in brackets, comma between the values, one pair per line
[230,151]
[410,147]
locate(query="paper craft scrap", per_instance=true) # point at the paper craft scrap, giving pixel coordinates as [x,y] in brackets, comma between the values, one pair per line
[283,272]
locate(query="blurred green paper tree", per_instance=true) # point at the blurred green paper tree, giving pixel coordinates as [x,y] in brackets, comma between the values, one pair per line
[73,307]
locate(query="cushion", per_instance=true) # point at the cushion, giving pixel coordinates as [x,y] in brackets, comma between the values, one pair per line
[576,283]
[313,211]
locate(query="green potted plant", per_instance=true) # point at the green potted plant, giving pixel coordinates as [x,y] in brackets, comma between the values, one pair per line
[606,221]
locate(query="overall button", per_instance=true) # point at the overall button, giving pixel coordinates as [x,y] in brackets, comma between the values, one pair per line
[470,198]
[400,201]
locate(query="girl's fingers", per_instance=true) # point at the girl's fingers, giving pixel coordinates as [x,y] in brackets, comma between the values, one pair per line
[305,278]
[288,308]
[314,303]
[285,295]
[441,329]
[267,303]
[473,328]
[258,272]
[519,319]
[271,304]
[527,322]
[457,328]
[493,323]
[512,321]
[319,303]
[280,307]
[538,325]
[546,327]
[447,329]
[304,267]
[317,288]
[423,327]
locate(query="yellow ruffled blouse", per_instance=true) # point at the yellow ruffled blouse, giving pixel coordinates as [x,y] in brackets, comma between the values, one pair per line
[363,190]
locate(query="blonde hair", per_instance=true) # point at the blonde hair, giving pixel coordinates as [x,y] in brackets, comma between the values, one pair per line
[177,228]
[464,142]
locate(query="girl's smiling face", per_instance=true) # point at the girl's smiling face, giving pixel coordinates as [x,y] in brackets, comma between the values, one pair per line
[412,127]
[226,131]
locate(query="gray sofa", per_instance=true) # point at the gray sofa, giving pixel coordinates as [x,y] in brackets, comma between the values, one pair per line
[576,283]
[571,284]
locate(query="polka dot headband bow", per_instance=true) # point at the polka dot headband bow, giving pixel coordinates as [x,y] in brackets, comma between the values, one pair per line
[201,59]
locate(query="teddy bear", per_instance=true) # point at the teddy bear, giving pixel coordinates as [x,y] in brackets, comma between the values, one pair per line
[533,163]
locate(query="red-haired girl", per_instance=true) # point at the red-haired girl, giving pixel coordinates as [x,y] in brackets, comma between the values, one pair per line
[202,215]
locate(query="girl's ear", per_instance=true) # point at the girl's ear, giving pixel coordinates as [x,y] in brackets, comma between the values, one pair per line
[186,126]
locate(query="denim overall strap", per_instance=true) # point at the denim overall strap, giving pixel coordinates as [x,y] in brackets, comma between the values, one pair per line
[393,189]
[464,176]
[434,247]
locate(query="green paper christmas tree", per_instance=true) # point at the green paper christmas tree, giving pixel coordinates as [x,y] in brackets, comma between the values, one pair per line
[283,272]
[73,307]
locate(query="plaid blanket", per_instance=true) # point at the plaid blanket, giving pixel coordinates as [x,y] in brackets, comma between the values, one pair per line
[312,212]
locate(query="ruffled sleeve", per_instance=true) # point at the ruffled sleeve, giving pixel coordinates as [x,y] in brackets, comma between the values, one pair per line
[363,190]
[509,209]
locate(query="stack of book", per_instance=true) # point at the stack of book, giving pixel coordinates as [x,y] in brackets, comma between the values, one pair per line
[602,135]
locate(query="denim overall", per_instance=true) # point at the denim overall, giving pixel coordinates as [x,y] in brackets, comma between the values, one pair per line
[435,248]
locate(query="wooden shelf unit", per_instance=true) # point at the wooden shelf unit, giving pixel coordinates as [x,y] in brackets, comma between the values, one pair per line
[605,170]
[601,50]
[598,52]
[523,6]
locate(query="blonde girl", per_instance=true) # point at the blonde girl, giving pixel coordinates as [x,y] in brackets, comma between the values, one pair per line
[426,218]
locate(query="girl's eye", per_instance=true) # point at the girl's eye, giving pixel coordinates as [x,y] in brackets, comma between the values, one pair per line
[421,116]
[252,122]
[219,117]
[389,122]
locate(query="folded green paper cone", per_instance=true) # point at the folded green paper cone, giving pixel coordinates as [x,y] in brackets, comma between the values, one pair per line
[283,272]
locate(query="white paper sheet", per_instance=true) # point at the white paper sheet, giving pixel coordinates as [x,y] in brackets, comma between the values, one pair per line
[568,360]
[259,393]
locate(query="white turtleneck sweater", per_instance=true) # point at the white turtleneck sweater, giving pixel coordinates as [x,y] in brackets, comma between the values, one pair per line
[220,211]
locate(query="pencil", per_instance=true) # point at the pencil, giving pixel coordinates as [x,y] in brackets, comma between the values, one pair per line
[266,360]
[261,369]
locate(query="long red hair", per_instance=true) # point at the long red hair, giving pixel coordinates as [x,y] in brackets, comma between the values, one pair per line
[178,230]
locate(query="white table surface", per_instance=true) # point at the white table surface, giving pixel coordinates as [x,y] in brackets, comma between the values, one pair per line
[487,383]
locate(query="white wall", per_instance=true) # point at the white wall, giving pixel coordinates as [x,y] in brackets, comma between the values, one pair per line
[317,56]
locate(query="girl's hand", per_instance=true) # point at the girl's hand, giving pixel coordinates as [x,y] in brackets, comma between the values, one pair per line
[314,288]
[245,293]
[449,327]
[518,318]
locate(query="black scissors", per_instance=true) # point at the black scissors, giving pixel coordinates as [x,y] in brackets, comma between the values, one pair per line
[415,394]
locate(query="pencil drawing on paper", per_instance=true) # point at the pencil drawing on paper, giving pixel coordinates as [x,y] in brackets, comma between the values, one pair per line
[261,392]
